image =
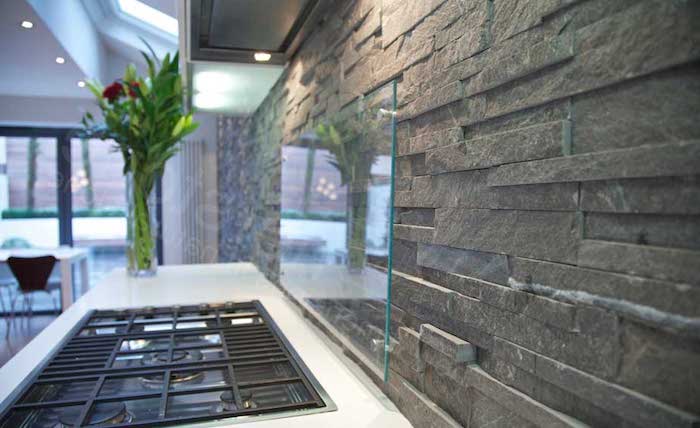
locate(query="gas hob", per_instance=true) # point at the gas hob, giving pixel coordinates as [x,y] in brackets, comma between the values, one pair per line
[167,366]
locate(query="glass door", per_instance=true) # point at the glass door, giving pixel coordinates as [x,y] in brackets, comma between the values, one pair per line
[98,205]
[29,215]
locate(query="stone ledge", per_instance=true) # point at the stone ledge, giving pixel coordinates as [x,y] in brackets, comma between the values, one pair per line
[460,351]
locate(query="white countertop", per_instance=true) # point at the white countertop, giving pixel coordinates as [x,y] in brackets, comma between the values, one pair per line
[359,403]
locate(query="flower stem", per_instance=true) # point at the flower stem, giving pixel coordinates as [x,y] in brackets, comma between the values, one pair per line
[143,239]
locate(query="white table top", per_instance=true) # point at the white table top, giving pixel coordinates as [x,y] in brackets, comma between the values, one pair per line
[359,404]
[61,253]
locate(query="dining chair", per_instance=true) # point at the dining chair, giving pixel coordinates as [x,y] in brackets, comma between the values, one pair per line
[8,284]
[32,275]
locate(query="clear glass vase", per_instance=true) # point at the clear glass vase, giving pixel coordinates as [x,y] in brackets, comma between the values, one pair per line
[141,225]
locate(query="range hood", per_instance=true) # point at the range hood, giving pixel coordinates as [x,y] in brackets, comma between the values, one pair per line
[234,30]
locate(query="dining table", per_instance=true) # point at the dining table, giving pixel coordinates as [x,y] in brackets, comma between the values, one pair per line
[68,257]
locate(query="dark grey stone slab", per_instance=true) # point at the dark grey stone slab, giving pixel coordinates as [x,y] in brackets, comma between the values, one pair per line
[539,337]
[434,98]
[666,195]
[653,110]
[537,57]
[648,37]
[404,255]
[626,403]
[400,17]
[418,217]
[469,189]
[645,229]
[668,264]
[626,294]
[525,410]
[445,137]
[449,394]
[674,159]
[414,233]
[543,235]
[661,365]
[643,411]
[535,142]
[487,266]
[417,408]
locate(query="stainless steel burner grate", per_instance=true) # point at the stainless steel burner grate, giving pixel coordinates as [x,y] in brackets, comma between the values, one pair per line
[165,366]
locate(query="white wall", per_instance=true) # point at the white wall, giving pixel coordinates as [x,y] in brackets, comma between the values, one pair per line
[44,111]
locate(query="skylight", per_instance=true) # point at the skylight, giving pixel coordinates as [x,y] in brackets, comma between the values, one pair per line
[149,15]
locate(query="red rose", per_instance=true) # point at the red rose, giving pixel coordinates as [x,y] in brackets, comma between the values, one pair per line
[113,91]
[132,87]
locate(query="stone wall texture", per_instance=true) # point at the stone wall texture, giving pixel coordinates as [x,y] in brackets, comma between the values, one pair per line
[547,251]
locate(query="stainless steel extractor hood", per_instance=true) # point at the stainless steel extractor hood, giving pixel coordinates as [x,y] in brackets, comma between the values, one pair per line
[234,30]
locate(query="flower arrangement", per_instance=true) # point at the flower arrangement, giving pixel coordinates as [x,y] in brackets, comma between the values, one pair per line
[145,118]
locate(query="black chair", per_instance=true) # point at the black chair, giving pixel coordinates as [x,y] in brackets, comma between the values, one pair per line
[32,274]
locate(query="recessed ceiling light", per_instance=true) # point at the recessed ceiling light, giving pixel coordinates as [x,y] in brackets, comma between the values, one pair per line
[60,60]
[262,56]
[27,24]
[81,83]
[209,100]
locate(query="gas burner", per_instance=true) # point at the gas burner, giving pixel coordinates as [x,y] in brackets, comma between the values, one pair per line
[228,403]
[101,414]
[175,377]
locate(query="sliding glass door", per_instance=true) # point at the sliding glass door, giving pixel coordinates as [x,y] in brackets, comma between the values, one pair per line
[59,190]
[98,204]
[29,192]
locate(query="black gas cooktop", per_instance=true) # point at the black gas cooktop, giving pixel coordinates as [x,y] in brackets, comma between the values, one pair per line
[168,366]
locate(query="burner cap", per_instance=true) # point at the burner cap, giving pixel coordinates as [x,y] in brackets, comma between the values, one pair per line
[178,355]
[229,403]
[203,309]
[104,412]
[162,357]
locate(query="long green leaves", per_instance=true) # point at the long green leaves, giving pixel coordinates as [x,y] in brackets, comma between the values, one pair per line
[144,117]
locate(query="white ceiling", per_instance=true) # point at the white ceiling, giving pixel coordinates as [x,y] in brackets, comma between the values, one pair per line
[28,67]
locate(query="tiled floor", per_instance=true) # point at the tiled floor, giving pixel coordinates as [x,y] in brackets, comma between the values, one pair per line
[21,333]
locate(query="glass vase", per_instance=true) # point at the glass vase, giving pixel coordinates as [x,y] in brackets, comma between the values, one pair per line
[141,225]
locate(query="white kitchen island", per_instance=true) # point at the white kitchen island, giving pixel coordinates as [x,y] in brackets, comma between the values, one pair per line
[359,403]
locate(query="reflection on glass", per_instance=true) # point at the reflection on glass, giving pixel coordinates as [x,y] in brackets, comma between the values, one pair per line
[336,217]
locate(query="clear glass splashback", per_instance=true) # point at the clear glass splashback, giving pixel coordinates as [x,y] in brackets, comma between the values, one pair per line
[335,230]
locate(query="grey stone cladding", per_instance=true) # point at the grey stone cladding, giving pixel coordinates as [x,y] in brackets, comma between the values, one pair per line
[547,201]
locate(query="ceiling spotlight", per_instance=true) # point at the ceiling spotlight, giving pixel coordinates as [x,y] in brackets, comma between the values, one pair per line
[262,56]
[27,24]
[60,60]
[81,83]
